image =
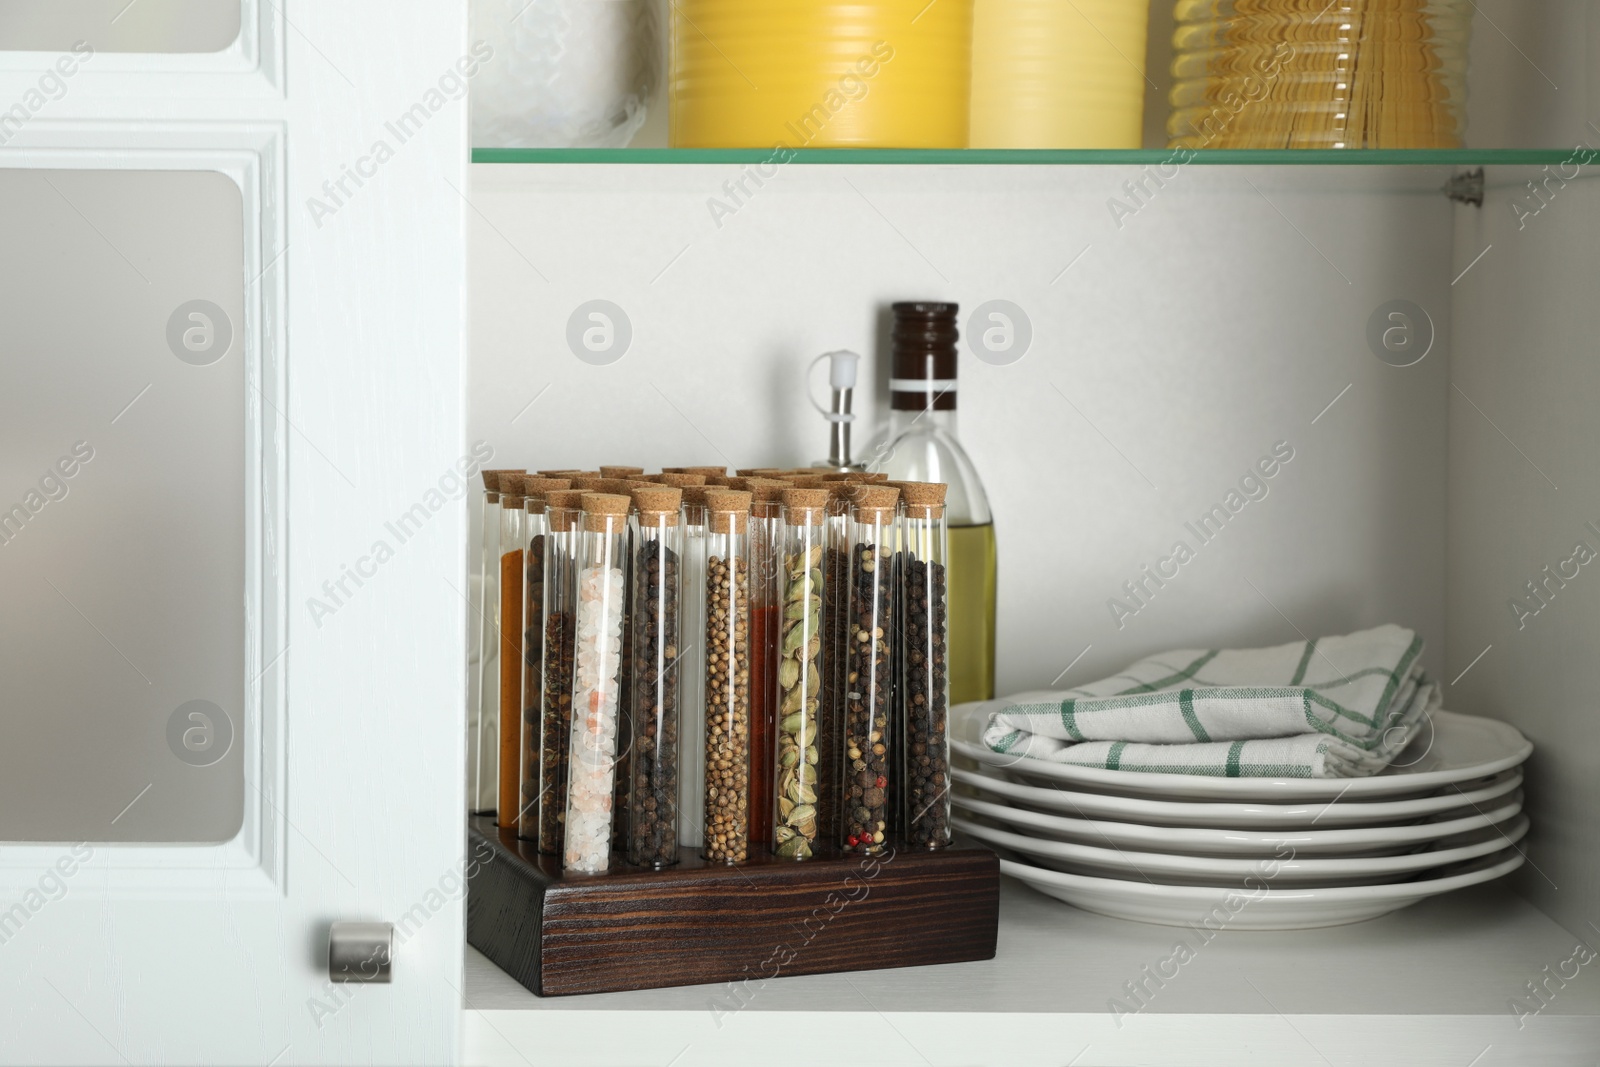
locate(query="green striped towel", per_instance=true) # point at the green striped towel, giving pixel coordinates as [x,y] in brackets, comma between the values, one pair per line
[1335,707]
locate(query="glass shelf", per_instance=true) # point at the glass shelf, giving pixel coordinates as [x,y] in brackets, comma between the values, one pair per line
[1461,157]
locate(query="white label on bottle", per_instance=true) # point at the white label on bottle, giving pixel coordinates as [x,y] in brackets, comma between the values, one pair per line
[922,385]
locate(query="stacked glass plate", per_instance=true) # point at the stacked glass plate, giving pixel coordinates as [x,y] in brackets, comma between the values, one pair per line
[1251,853]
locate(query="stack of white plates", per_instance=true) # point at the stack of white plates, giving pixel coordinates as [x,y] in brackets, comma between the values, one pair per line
[1251,853]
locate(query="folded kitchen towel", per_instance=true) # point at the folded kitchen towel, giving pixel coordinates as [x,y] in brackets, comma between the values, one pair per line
[1334,707]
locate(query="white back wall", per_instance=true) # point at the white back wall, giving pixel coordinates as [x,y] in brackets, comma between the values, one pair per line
[1221,318]
[1524,493]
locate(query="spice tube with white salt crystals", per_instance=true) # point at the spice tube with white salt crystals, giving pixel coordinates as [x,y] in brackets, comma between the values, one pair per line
[596,685]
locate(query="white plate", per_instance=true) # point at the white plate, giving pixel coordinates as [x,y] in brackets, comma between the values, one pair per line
[1449,748]
[1302,816]
[1269,909]
[1288,869]
[1207,841]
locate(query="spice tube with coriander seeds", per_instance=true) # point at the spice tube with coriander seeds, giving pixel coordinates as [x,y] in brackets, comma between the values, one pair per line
[564,525]
[726,815]
[924,691]
[804,757]
[483,761]
[596,683]
[655,618]
[536,534]
[869,669]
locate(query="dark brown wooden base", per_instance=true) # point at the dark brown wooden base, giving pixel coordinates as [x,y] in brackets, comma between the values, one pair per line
[696,922]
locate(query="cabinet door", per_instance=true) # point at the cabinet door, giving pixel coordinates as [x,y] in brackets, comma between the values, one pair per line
[231,529]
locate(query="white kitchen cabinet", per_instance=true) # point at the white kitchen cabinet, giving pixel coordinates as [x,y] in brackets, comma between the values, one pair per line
[1227,312]
[220,380]
[389,308]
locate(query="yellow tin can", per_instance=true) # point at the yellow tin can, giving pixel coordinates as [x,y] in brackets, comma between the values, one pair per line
[818,74]
[1053,74]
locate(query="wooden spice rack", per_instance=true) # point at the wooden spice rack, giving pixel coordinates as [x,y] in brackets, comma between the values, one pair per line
[696,922]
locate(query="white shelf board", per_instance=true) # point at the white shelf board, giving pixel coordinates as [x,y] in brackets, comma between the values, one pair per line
[1432,984]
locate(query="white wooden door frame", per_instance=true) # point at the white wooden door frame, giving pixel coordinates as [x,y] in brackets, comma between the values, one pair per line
[353,348]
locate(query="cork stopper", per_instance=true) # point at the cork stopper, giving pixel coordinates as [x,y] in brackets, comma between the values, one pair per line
[604,512]
[720,480]
[805,507]
[923,500]
[491,478]
[679,479]
[727,511]
[808,481]
[534,488]
[694,496]
[658,506]
[620,472]
[561,474]
[761,490]
[607,486]
[720,472]
[639,483]
[873,503]
[588,481]
[757,472]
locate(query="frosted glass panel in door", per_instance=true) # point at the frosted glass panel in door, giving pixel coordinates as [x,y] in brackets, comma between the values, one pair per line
[118,25]
[122,506]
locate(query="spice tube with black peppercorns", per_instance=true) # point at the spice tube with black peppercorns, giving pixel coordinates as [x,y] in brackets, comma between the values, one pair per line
[727,674]
[656,536]
[535,533]
[564,522]
[869,667]
[924,691]
[596,683]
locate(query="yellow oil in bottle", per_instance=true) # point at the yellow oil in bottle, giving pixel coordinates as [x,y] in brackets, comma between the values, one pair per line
[971,579]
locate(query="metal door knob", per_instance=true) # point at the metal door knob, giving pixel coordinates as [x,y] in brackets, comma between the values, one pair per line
[360,952]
